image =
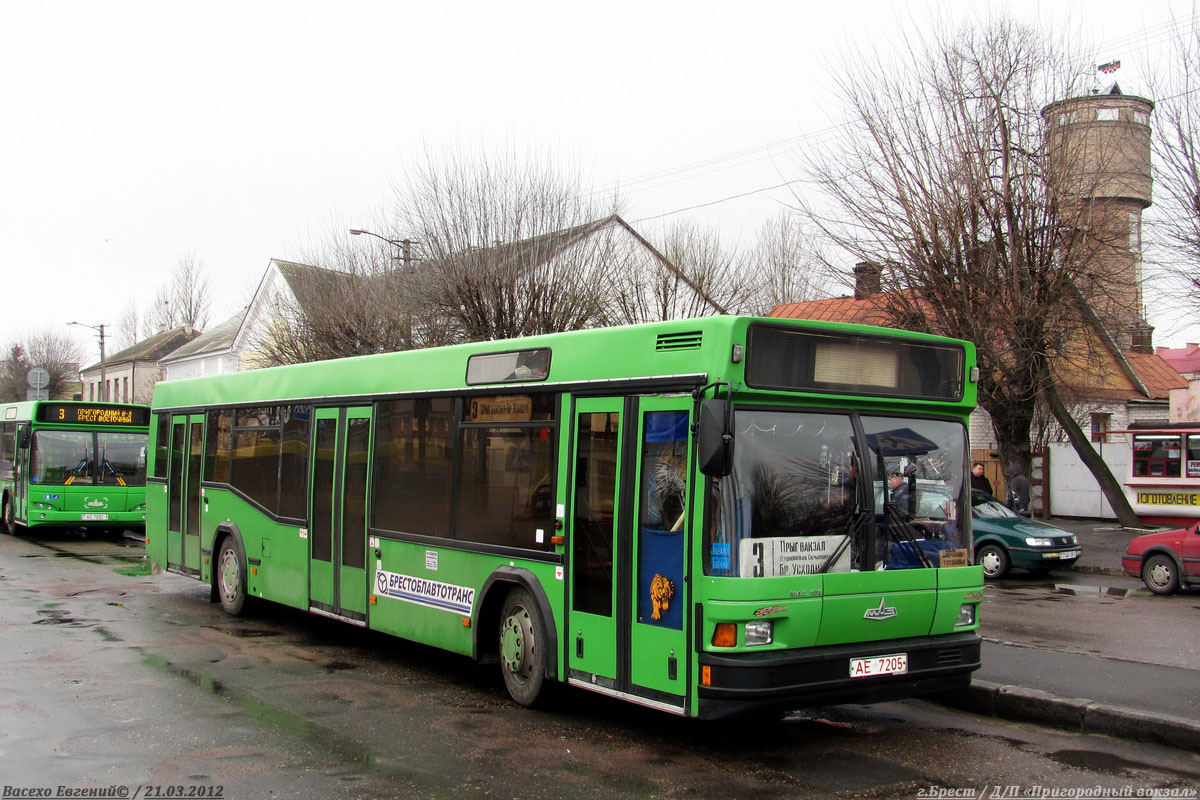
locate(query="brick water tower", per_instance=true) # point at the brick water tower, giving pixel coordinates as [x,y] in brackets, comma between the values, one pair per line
[1099,147]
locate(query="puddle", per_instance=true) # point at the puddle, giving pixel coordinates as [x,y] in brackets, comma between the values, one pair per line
[140,571]
[245,633]
[1083,590]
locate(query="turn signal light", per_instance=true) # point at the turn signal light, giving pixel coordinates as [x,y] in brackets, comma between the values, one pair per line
[706,676]
[725,635]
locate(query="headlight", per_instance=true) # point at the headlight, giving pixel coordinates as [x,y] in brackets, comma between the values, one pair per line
[966,614]
[1034,541]
[759,633]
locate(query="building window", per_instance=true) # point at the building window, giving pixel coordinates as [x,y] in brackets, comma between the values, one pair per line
[1141,117]
[126,390]
[1101,425]
[1107,114]
[1135,231]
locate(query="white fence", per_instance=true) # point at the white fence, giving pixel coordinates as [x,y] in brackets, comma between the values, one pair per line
[1073,490]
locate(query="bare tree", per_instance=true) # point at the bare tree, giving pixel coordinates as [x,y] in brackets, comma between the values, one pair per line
[57,353]
[128,328]
[1176,225]
[783,266]
[183,299]
[354,304]
[946,186]
[508,245]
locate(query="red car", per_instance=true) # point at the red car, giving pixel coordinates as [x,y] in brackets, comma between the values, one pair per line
[1165,561]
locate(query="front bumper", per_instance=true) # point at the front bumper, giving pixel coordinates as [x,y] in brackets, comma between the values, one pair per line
[748,683]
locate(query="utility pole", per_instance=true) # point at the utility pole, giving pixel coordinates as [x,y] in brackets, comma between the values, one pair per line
[103,374]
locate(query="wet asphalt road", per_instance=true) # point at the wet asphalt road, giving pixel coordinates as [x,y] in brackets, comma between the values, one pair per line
[113,677]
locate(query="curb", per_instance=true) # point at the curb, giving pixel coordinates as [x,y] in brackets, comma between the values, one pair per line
[1072,713]
[1089,570]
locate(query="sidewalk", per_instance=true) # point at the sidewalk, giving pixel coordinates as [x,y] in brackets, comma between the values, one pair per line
[1130,700]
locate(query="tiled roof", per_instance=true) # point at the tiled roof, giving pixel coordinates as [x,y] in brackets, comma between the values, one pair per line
[868,311]
[215,339]
[1157,374]
[1185,360]
[151,349]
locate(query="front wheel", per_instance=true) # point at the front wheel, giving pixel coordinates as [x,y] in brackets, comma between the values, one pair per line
[230,577]
[522,648]
[1160,574]
[994,560]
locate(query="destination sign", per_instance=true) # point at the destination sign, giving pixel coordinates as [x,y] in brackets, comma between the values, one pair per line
[82,413]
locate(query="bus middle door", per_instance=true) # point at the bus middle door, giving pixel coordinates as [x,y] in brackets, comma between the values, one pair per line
[338,533]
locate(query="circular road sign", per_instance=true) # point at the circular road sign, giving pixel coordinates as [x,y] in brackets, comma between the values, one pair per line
[38,378]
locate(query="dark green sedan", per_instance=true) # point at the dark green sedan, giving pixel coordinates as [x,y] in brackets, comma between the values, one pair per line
[1005,539]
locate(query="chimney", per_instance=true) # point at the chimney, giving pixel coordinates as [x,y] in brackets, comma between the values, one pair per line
[867,278]
[1141,338]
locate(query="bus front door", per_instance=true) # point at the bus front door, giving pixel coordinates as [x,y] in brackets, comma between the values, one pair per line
[627,546]
[338,533]
[184,471]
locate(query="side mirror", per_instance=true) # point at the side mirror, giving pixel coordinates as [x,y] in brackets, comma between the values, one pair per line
[715,445]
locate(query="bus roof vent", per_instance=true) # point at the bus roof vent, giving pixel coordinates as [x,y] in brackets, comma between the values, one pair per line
[687,340]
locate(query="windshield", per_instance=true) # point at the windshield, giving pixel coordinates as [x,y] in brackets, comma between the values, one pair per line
[66,458]
[795,502]
[984,506]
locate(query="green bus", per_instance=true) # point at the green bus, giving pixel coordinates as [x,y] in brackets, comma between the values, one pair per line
[67,464]
[701,516]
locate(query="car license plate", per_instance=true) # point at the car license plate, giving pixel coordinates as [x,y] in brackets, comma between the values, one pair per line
[93,517]
[895,664]
[1062,555]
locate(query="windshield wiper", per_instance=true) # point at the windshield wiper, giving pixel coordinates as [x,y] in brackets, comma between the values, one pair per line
[907,530]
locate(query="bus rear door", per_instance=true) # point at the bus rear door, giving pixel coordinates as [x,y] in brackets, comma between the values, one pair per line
[184,472]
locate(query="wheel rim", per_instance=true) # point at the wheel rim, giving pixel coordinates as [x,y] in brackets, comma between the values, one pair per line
[231,575]
[991,561]
[1159,574]
[516,643]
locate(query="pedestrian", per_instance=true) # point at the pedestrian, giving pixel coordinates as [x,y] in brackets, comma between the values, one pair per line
[979,481]
[898,493]
[1018,489]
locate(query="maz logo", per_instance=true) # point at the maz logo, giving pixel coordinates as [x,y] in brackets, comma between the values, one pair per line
[883,612]
[101,503]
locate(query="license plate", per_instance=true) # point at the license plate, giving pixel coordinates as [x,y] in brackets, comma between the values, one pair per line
[895,664]
[93,517]
[1064,554]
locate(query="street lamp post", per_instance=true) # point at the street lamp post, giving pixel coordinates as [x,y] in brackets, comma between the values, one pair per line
[405,245]
[103,376]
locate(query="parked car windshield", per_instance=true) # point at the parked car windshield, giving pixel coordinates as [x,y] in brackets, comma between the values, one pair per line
[984,506]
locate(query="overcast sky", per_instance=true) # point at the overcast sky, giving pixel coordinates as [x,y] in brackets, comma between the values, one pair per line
[135,133]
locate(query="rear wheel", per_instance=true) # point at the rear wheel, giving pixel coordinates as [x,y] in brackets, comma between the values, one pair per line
[230,577]
[9,519]
[994,560]
[1160,574]
[522,648]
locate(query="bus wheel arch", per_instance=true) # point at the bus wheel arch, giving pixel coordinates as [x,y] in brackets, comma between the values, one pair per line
[229,576]
[490,606]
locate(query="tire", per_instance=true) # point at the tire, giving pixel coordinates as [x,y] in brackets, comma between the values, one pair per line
[229,577]
[1160,574]
[9,519]
[522,648]
[994,559]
